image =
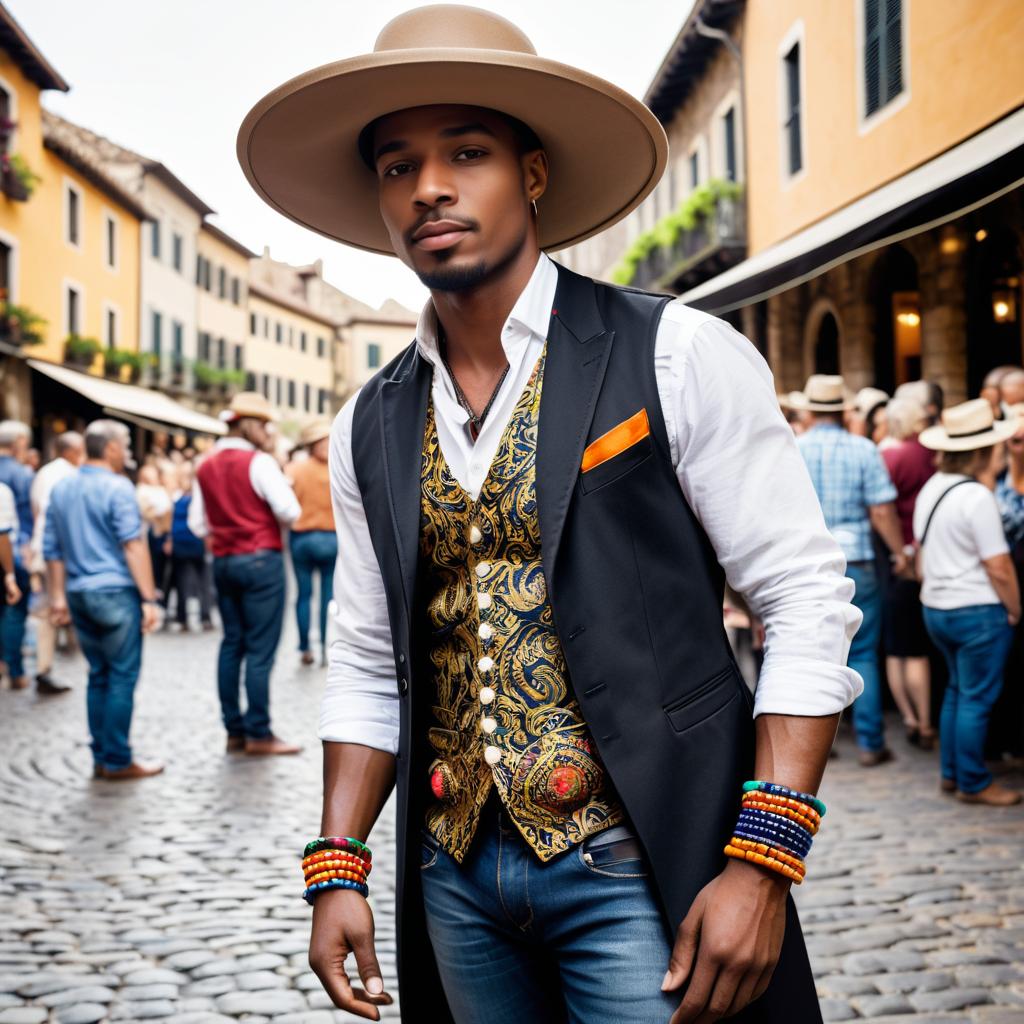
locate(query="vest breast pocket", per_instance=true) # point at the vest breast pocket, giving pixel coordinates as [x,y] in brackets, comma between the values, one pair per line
[617,466]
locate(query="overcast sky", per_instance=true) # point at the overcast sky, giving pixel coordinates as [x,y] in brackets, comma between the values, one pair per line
[173,79]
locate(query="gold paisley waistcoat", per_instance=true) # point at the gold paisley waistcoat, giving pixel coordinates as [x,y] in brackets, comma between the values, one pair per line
[504,713]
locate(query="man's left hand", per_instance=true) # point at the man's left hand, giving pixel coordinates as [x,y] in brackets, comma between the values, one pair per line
[728,944]
[12,592]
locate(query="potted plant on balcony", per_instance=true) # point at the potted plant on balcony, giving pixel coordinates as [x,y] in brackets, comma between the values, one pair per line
[115,360]
[206,376]
[231,381]
[80,351]
[20,325]
[18,179]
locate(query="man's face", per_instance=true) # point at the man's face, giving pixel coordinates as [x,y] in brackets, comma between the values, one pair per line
[119,452]
[455,192]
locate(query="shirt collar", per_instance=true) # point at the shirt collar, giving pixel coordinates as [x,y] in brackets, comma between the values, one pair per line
[234,442]
[530,315]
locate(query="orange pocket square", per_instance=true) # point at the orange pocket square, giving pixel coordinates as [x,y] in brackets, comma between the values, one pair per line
[616,440]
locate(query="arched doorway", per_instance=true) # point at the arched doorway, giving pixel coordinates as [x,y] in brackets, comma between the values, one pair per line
[826,346]
[994,297]
[897,302]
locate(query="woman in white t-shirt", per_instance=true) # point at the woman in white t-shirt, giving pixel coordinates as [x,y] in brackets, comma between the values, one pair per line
[969,589]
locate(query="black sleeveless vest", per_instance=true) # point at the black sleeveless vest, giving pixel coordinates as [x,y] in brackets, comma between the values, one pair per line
[637,597]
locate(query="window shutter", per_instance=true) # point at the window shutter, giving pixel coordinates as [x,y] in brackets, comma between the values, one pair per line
[872,55]
[893,48]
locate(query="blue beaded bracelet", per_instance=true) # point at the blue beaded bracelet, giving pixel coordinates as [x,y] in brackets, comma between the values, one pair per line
[776,821]
[792,836]
[763,833]
[334,883]
[773,787]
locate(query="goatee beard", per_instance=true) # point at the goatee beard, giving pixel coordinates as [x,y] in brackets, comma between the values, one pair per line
[467,278]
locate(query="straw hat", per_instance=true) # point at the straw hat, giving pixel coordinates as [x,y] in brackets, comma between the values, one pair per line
[823,393]
[299,145]
[313,432]
[968,426]
[248,405]
[869,399]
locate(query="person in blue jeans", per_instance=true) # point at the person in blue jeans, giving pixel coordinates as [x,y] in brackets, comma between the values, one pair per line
[14,441]
[969,590]
[856,495]
[314,544]
[101,579]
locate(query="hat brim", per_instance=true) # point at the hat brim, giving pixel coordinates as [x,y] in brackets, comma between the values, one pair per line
[937,438]
[802,403]
[314,439]
[231,416]
[298,146]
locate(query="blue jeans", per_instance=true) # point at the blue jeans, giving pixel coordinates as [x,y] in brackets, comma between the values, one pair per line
[109,627]
[12,632]
[520,940]
[975,642]
[867,709]
[250,596]
[313,551]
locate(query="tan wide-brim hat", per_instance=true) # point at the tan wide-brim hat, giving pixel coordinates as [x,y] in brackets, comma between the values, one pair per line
[313,432]
[968,426]
[249,405]
[298,146]
[869,399]
[823,393]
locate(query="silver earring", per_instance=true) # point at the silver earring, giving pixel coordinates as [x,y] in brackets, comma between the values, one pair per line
[533,203]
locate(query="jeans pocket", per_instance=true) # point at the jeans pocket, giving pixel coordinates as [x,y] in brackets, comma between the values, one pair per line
[621,857]
[430,848]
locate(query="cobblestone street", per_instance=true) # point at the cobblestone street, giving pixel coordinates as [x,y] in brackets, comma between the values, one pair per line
[177,897]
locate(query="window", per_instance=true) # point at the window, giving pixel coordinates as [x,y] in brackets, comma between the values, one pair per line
[7,258]
[154,239]
[157,332]
[266,326]
[73,215]
[307,396]
[321,346]
[222,283]
[199,269]
[222,354]
[238,357]
[110,327]
[291,394]
[291,336]
[203,347]
[373,355]
[302,341]
[177,244]
[794,157]
[277,390]
[321,403]
[177,340]
[883,53]
[252,323]
[236,291]
[73,307]
[110,239]
[694,169]
[207,275]
[278,333]
[729,144]
[266,386]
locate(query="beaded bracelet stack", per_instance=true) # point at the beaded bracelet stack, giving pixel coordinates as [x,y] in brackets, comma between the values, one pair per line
[335,862]
[775,828]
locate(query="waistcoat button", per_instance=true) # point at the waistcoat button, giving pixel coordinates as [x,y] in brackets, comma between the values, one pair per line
[483,569]
[485,631]
[483,600]
[403,684]
[488,724]
[486,695]
[475,536]
[485,664]
[492,755]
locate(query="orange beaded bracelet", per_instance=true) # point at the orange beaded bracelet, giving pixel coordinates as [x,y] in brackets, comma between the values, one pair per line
[766,862]
[769,851]
[785,801]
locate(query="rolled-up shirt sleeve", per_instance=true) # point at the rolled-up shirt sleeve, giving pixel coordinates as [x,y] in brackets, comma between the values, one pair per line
[273,487]
[360,702]
[741,472]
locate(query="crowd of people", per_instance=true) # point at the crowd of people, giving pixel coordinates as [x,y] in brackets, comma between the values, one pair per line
[927,504]
[104,561]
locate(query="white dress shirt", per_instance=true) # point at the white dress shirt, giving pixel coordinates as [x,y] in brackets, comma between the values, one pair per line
[8,510]
[267,481]
[738,467]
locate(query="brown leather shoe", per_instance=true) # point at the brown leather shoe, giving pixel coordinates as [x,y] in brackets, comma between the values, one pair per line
[947,785]
[307,658]
[235,744]
[98,771]
[871,758]
[19,682]
[993,795]
[132,771]
[268,746]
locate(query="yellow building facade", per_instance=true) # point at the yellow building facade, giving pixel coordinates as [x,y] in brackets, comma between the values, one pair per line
[962,69]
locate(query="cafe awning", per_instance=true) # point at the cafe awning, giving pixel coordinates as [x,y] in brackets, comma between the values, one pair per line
[968,176]
[151,409]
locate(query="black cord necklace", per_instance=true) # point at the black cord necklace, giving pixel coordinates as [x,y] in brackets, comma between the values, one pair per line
[475,422]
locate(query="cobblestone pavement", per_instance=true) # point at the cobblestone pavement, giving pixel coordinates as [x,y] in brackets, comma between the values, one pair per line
[177,897]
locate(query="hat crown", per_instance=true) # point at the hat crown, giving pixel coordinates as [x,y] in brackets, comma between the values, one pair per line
[442,26]
[825,388]
[973,417]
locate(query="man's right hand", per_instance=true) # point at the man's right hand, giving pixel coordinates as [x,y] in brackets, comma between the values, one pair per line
[59,613]
[343,924]
[150,616]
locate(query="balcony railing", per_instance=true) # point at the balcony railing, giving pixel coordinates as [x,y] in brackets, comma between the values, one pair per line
[716,242]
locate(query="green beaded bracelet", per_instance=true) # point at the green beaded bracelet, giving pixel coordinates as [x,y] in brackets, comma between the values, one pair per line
[774,787]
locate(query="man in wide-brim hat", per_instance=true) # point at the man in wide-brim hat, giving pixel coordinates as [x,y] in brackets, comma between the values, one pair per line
[241,500]
[536,505]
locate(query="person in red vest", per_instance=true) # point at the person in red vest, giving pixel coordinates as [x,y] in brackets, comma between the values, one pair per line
[240,501]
